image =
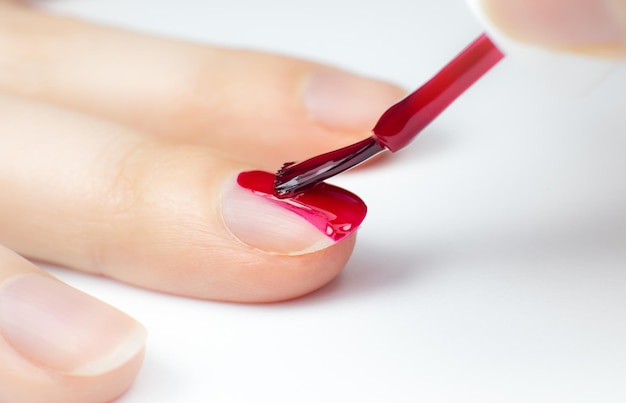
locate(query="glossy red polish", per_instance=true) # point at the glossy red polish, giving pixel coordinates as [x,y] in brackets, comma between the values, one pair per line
[334,211]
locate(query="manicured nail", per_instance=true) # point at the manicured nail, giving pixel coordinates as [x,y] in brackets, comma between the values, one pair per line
[307,222]
[64,330]
[344,101]
[564,67]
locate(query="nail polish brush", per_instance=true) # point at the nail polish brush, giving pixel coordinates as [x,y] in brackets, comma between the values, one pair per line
[399,125]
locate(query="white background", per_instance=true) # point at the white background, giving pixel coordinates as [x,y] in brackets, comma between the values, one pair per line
[492,264]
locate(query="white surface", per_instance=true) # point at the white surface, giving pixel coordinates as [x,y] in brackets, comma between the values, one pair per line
[491,267]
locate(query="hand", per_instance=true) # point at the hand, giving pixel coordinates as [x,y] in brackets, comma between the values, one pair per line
[118,156]
[596,27]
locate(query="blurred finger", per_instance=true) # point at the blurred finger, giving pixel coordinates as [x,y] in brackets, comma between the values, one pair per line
[59,343]
[593,27]
[257,107]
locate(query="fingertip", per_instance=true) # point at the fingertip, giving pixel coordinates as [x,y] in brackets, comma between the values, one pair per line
[299,243]
[59,344]
[568,68]
[65,330]
[292,277]
[581,26]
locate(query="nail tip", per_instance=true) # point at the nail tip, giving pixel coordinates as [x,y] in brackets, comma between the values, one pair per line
[320,217]
[123,353]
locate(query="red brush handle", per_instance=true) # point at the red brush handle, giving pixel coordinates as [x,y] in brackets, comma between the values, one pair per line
[403,121]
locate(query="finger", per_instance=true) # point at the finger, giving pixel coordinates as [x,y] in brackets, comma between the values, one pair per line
[257,107]
[93,196]
[582,26]
[58,344]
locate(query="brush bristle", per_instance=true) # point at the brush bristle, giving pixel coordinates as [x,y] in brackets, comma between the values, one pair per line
[293,178]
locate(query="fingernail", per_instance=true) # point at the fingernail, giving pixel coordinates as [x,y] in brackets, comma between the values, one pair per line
[552,63]
[344,101]
[62,329]
[560,23]
[302,224]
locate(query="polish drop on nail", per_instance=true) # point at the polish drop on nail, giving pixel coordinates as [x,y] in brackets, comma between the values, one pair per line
[334,211]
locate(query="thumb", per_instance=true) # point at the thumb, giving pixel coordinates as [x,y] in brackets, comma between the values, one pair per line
[581,26]
[568,45]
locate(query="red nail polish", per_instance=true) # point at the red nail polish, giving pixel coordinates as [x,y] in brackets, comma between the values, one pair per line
[333,210]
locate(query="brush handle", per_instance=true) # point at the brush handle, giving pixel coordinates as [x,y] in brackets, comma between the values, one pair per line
[404,120]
